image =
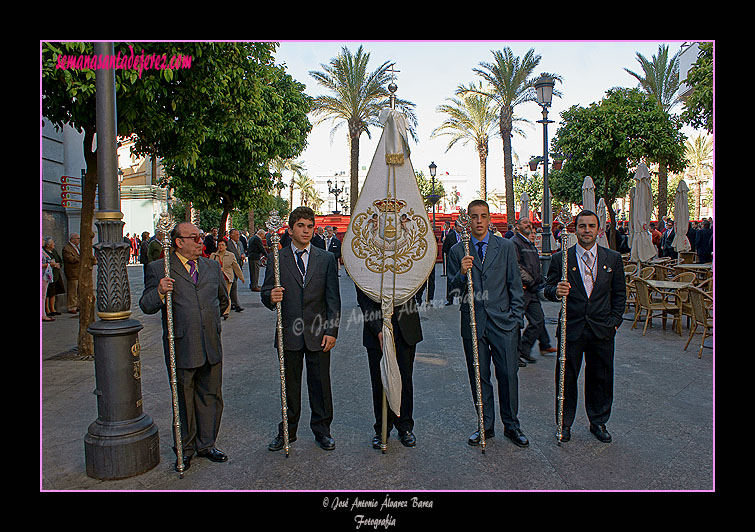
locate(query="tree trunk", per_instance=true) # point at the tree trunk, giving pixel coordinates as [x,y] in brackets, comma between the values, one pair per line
[291,196]
[250,222]
[482,151]
[354,170]
[662,190]
[508,171]
[86,264]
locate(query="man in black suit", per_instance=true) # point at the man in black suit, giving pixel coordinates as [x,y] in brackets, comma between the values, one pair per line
[211,242]
[199,299]
[256,252]
[311,307]
[407,334]
[235,247]
[596,292]
[704,243]
[499,314]
[452,238]
[333,244]
[318,239]
[667,240]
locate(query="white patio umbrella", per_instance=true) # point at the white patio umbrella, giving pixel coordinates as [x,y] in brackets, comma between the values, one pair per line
[631,215]
[601,212]
[524,206]
[642,244]
[681,218]
[588,194]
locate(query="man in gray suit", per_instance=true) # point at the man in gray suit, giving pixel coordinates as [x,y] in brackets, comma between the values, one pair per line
[499,314]
[199,299]
[311,307]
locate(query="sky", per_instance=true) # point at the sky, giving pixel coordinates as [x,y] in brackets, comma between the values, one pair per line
[429,72]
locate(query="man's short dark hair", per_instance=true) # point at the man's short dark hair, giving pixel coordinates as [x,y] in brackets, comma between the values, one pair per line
[585,212]
[478,203]
[301,212]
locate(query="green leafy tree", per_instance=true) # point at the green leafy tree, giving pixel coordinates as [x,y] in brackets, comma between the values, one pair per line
[471,118]
[607,139]
[425,186]
[357,98]
[698,107]
[267,120]
[660,79]
[511,84]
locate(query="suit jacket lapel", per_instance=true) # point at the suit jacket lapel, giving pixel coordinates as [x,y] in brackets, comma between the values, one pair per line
[491,250]
[574,276]
[177,268]
[289,261]
[314,257]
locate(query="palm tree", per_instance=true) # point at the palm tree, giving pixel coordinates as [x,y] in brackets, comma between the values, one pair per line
[358,97]
[700,156]
[471,118]
[306,188]
[660,79]
[511,84]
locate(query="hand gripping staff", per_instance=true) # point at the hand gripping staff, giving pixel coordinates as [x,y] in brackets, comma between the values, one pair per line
[165,224]
[564,218]
[275,222]
[465,222]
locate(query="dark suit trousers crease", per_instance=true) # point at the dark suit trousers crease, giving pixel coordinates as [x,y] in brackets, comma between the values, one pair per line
[405,360]
[500,347]
[200,405]
[318,389]
[535,329]
[598,355]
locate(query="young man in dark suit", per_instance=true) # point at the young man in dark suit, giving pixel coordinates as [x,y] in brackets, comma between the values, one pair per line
[452,238]
[596,293]
[407,334]
[333,244]
[311,307]
[499,314]
[199,299]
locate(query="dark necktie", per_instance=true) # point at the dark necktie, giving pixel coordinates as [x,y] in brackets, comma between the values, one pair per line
[193,270]
[300,262]
[481,250]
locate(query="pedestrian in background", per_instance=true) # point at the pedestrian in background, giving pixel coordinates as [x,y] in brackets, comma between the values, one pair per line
[228,267]
[71,260]
[56,286]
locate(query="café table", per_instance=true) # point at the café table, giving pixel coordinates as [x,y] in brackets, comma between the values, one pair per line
[671,288]
[703,270]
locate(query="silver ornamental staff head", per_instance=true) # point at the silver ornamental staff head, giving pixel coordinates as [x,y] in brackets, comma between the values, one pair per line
[275,222]
[465,221]
[564,218]
[165,224]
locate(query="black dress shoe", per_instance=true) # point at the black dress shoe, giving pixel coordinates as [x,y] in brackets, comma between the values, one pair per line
[187,463]
[600,432]
[325,442]
[517,437]
[522,363]
[528,358]
[565,434]
[474,439]
[277,443]
[214,455]
[407,438]
[239,309]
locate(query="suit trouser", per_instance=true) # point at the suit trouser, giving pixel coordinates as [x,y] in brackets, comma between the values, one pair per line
[405,360]
[72,293]
[500,347]
[234,292]
[535,329]
[598,354]
[318,389]
[254,273]
[200,405]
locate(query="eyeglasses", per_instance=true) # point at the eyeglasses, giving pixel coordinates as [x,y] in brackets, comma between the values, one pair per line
[195,238]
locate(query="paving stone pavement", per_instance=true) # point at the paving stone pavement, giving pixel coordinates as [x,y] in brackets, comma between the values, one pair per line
[662,420]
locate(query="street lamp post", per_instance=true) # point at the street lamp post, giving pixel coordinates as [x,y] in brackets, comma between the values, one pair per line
[544,89]
[336,191]
[433,197]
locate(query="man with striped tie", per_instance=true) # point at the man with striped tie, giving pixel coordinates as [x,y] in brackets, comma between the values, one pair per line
[596,292]
[310,300]
[199,299]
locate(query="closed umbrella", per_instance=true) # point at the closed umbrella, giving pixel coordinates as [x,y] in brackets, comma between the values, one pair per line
[631,215]
[588,194]
[642,242]
[601,212]
[524,206]
[681,217]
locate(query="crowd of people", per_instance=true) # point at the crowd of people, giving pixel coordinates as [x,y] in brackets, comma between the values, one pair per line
[206,269]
